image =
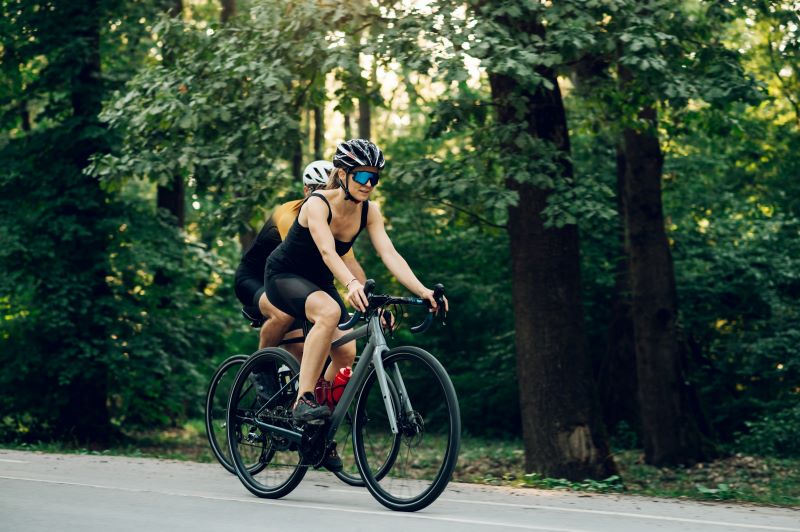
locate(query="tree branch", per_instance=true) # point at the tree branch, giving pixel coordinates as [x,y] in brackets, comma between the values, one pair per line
[463,210]
[786,90]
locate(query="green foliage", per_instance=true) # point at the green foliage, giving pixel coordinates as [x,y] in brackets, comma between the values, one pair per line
[224,133]
[470,142]
[55,301]
[673,52]
[171,318]
[775,434]
[100,298]
[223,108]
[95,296]
[722,492]
[736,254]
[610,484]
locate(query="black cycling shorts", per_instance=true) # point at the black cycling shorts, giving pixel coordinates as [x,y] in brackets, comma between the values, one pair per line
[289,292]
[249,289]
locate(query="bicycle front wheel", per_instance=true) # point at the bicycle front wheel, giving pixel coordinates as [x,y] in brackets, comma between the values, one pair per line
[349,473]
[219,391]
[264,391]
[388,449]
[429,431]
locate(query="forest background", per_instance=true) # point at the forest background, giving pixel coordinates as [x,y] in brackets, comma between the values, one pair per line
[609,190]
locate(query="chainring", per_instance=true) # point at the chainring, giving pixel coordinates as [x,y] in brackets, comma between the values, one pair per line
[312,446]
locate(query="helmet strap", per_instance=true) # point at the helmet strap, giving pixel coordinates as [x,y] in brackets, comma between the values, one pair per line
[346,188]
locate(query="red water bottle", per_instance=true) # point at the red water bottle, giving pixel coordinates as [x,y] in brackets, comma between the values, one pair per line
[339,382]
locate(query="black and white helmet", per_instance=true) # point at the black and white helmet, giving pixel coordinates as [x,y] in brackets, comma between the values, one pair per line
[358,152]
[316,173]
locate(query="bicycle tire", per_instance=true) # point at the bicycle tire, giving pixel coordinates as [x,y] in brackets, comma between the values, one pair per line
[345,475]
[435,410]
[278,455]
[356,480]
[216,408]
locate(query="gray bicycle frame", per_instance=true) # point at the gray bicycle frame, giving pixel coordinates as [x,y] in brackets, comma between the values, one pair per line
[372,353]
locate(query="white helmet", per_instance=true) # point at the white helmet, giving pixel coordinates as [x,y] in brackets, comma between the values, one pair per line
[316,173]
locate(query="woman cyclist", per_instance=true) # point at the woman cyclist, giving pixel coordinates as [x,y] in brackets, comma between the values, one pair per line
[300,272]
[249,279]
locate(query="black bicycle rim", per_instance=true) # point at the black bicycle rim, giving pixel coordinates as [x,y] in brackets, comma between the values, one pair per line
[430,434]
[217,406]
[282,471]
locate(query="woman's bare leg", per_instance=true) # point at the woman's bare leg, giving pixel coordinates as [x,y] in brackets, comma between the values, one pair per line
[278,322]
[295,349]
[341,357]
[324,312]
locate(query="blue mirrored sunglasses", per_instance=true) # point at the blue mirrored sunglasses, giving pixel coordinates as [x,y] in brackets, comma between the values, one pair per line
[362,177]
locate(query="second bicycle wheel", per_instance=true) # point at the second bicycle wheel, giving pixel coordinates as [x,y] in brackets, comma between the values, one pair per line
[219,391]
[429,434]
[264,391]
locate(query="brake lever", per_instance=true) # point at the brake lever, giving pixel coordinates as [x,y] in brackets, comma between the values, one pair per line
[438,295]
[369,287]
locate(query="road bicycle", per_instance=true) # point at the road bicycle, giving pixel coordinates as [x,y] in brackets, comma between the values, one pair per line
[406,425]
[216,407]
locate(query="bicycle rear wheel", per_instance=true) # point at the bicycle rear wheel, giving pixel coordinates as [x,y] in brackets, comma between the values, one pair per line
[429,432]
[265,389]
[219,391]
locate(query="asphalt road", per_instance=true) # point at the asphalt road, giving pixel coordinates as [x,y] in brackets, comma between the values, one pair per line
[115,494]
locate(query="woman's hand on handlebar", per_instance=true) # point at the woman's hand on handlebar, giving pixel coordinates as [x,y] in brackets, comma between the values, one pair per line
[356,295]
[427,293]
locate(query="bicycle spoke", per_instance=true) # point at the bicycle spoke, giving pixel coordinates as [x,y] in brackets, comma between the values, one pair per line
[263,378]
[422,455]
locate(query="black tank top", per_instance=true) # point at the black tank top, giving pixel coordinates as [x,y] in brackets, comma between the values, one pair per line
[265,243]
[298,253]
[269,238]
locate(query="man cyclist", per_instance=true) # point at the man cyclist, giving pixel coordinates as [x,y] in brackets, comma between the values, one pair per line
[249,280]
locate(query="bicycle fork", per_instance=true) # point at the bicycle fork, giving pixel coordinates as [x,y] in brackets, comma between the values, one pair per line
[380,371]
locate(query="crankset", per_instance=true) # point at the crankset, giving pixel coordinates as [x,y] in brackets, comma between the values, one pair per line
[312,446]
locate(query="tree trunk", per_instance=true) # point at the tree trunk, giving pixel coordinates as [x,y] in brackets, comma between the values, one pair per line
[171,196]
[616,370]
[25,116]
[348,131]
[171,199]
[228,10]
[174,8]
[617,373]
[670,428]
[561,423]
[319,131]
[297,157]
[85,416]
[364,118]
